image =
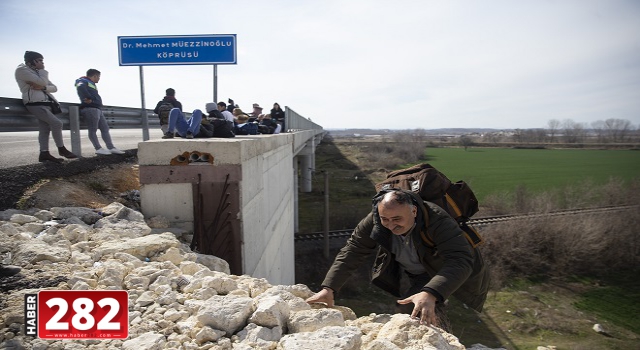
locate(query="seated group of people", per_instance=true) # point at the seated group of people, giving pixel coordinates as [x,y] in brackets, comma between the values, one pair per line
[221,122]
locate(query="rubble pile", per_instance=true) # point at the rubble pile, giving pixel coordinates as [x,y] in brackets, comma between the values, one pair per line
[178,299]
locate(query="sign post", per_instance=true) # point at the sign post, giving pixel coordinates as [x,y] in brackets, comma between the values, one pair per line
[159,50]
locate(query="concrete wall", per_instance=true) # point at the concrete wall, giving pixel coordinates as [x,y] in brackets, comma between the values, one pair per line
[265,173]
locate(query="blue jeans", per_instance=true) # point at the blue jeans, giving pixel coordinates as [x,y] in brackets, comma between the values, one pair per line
[178,123]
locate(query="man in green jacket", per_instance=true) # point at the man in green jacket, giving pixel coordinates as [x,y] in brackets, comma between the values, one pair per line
[421,239]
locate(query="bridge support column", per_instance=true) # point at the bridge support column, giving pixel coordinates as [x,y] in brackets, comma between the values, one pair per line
[306,173]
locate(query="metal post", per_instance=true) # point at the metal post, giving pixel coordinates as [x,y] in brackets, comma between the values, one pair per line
[143,111]
[326,215]
[74,126]
[215,83]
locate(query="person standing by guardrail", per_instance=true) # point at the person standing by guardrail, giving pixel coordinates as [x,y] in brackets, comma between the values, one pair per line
[91,110]
[33,81]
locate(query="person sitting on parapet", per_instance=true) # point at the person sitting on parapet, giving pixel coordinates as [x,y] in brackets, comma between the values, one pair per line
[267,125]
[164,106]
[226,114]
[257,110]
[222,127]
[238,112]
[196,126]
[244,127]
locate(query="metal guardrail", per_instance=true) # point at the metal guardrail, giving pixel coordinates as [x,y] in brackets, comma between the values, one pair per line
[294,121]
[15,117]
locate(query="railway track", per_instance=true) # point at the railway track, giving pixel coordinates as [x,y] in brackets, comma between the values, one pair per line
[483,221]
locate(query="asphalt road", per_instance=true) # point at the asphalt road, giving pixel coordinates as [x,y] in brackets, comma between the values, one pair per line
[21,148]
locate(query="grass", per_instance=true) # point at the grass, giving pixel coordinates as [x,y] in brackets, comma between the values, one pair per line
[617,302]
[548,292]
[491,170]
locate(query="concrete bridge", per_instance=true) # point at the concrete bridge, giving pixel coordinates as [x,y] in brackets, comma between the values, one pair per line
[239,195]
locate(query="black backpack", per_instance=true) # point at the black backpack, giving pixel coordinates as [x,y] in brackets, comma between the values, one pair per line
[431,185]
[163,112]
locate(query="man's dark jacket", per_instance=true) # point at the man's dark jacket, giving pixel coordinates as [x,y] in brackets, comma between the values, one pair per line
[455,267]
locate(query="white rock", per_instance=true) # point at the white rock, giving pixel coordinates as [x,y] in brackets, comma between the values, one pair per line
[226,313]
[312,320]
[208,334]
[404,331]
[140,247]
[44,215]
[146,341]
[213,263]
[172,254]
[22,219]
[147,298]
[598,328]
[271,312]
[334,338]
[36,250]
[252,333]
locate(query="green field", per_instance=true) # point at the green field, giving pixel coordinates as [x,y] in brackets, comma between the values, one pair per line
[491,170]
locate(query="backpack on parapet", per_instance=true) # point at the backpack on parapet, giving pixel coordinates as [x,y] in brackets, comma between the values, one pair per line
[431,185]
[163,112]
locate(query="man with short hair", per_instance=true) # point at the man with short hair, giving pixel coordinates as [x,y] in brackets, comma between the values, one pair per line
[423,240]
[91,110]
[228,116]
[164,106]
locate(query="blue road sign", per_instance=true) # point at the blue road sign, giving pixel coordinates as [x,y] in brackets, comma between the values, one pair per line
[177,50]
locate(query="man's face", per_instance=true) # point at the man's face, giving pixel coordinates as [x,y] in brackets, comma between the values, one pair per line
[95,78]
[398,218]
[221,108]
[38,63]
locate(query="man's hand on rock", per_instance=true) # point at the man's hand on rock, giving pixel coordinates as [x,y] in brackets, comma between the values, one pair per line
[323,296]
[424,306]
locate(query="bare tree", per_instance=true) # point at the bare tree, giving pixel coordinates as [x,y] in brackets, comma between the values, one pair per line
[517,135]
[573,132]
[617,129]
[465,141]
[553,125]
[598,127]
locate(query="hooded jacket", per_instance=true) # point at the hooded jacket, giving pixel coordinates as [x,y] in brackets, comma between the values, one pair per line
[25,75]
[455,267]
[88,89]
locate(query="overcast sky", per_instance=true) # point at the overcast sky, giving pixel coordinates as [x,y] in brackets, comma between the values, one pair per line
[355,63]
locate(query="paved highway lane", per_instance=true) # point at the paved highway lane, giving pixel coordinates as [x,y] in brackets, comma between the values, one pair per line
[21,148]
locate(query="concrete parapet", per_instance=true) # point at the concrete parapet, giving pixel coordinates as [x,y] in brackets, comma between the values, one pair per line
[259,173]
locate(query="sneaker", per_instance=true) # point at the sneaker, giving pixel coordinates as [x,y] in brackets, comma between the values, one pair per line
[9,270]
[45,156]
[63,151]
[103,151]
[189,135]
[168,135]
[116,151]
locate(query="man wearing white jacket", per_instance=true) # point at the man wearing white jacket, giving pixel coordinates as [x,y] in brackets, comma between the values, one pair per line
[33,81]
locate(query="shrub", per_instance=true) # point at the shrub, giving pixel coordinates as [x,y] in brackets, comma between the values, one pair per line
[586,244]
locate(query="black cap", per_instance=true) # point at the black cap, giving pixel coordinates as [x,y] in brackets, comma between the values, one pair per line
[30,56]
